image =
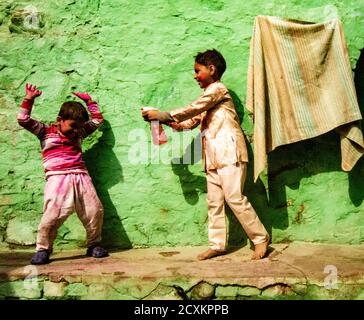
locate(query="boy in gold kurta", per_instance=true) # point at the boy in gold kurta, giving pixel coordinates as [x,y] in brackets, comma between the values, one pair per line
[224,154]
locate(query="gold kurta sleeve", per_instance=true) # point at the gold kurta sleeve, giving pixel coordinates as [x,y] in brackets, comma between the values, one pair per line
[212,95]
[187,124]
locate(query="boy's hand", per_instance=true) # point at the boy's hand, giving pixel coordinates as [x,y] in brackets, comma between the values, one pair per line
[150,115]
[83,96]
[174,125]
[31,92]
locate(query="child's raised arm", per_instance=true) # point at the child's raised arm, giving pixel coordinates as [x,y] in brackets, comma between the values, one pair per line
[24,119]
[96,116]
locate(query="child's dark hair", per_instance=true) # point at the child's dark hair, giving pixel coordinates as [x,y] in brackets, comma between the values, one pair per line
[72,110]
[212,57]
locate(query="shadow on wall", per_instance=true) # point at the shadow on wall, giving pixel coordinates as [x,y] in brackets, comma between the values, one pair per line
[106,171]
[356,176]
[191,185]
[289,164]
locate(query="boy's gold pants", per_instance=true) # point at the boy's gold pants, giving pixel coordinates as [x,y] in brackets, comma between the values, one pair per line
[227,184]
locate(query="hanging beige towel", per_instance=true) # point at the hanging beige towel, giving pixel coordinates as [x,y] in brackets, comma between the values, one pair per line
[300,85]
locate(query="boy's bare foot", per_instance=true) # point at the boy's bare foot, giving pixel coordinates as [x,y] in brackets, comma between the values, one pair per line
[260,250]
[210,253]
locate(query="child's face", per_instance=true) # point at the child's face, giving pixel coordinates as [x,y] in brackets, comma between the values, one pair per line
[69,127]
[204,75]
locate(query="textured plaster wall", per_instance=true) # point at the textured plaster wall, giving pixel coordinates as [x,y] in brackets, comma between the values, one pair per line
[133,53]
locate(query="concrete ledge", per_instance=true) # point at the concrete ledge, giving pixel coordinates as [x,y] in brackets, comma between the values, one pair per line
[291,271]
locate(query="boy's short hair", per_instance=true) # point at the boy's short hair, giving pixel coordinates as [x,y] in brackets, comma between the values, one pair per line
[73,110]
[212,57]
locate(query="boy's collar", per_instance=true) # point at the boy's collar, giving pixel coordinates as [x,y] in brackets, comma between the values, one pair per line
[211,84]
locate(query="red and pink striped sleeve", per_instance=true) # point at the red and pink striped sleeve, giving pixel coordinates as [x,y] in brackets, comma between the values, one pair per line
[95,121]
[28,123]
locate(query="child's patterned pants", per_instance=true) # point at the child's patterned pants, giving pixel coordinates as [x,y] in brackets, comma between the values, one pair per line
[63,195]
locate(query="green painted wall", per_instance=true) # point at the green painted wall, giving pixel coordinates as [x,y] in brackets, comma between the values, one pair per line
[134,53]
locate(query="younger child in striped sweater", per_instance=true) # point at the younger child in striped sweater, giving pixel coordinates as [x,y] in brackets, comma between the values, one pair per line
[69,187]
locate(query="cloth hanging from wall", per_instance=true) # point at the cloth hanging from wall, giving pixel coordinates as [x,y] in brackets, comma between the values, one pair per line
[300,85]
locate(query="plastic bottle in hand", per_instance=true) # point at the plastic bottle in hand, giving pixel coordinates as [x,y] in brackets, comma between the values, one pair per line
[158,134]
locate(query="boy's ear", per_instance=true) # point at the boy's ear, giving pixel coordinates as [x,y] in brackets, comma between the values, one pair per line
[58,119]
[212,69]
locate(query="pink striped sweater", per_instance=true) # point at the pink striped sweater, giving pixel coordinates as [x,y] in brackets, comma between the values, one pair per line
[60,154]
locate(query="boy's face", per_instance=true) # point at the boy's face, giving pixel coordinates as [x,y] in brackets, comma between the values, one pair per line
[204,75]
[69,127]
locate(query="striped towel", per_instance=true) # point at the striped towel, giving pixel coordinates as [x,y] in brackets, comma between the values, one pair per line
[300,85]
